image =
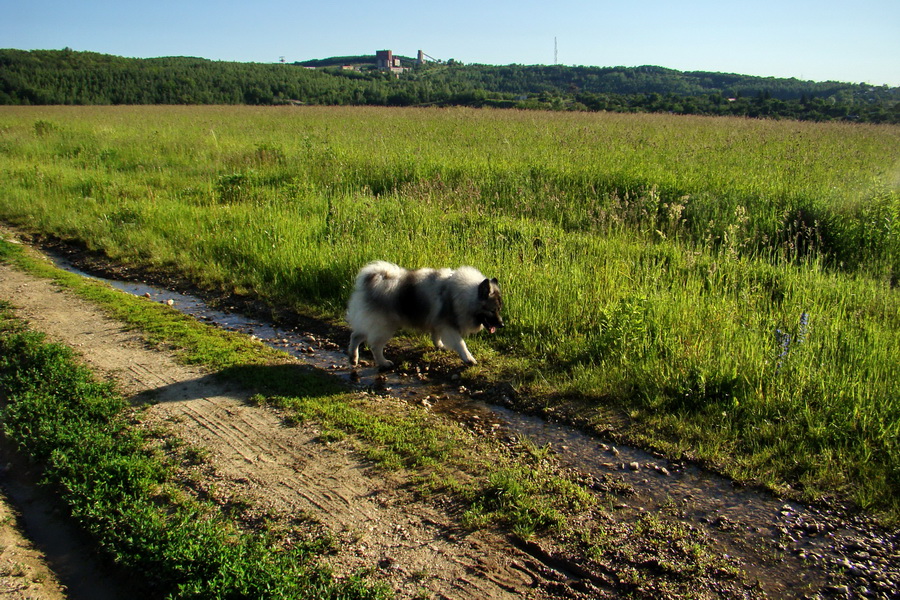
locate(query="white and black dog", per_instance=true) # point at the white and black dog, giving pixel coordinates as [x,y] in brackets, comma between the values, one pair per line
[449,304]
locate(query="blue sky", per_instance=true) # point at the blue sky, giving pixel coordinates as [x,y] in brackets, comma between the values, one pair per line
[824,40]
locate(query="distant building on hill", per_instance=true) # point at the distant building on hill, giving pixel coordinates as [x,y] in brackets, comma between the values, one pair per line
[385,60]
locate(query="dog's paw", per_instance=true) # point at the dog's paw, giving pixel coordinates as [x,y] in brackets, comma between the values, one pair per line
[386,365]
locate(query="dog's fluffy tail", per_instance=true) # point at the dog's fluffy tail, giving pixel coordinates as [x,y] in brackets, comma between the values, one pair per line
[375,272]
[374,286]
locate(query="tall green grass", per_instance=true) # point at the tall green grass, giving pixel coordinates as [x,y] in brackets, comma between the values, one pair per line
[655,265]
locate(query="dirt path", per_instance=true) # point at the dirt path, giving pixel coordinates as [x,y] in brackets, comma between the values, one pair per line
[284,470]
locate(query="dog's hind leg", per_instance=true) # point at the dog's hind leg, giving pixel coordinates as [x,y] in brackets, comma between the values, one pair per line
[377,336]
[353,350]
[454,341]
[377,346]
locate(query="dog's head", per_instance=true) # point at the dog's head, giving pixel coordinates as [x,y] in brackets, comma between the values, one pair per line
[489,305]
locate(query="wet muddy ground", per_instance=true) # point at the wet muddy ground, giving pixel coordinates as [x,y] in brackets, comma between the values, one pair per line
[75,573]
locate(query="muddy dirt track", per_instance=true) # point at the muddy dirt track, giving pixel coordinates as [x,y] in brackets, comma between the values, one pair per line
[24,573]
[417,548]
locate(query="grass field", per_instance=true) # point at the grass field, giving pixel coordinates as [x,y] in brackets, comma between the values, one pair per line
[730,285]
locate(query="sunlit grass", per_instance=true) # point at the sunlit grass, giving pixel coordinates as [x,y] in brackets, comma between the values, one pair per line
[648,262]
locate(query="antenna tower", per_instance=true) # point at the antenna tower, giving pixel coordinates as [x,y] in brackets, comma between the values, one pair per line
[555,52]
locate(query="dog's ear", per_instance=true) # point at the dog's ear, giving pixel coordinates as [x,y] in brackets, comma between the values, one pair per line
[488,288]
[484,289]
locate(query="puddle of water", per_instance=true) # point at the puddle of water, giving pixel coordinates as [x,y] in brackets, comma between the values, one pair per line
[744,521]
[661,482]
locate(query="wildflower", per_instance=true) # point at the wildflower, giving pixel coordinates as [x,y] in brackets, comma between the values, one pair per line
[803,328]
[783,339]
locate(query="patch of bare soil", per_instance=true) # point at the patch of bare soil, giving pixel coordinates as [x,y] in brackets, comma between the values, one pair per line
[284,471]
[24,574]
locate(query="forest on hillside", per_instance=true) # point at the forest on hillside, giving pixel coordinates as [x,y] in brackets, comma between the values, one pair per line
[70,77]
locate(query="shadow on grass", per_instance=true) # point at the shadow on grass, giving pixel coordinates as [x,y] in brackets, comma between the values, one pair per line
[292,380]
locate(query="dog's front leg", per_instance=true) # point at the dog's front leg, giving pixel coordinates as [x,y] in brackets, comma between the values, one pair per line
[453,340]
[436,339]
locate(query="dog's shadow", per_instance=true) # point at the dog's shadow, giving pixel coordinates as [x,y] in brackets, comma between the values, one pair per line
[243,381]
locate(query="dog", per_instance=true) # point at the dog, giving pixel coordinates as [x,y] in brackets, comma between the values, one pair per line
[449,304]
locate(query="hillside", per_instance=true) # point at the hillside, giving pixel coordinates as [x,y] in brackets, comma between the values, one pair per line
[69,77]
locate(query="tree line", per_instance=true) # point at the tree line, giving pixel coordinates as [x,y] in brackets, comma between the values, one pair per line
[70,77]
